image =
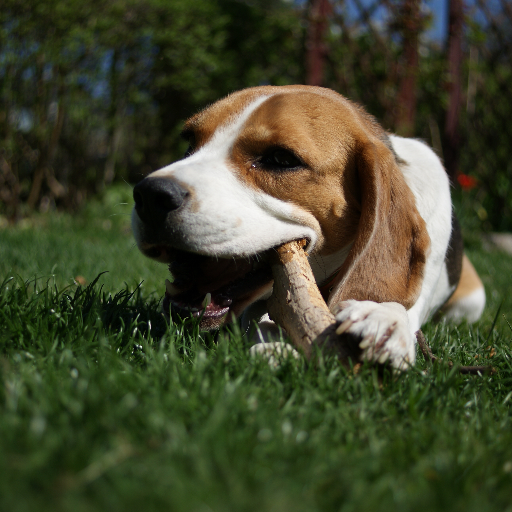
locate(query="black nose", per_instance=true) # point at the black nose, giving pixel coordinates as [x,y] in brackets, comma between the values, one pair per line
[155,198]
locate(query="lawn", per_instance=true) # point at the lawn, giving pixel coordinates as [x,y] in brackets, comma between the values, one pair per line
[105,407]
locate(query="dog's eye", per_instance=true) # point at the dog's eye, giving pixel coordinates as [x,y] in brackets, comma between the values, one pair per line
[189,136]
[189,151]
[280,159]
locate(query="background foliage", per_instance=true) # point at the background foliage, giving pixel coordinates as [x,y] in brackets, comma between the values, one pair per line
[93,93]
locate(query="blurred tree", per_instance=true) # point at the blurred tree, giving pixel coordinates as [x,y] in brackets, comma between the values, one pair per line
[96,91]
[35,88]
[409,22]
[316,45]
[212,50]
[486,132]
[455,58]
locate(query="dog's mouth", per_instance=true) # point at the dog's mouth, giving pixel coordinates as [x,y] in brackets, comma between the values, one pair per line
[214,289]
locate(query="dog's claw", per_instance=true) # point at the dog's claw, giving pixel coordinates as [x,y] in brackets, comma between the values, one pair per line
[366,342]
[345,326]
[383,357]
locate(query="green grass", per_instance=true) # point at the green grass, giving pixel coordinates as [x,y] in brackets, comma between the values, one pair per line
[62,247]
[105,407]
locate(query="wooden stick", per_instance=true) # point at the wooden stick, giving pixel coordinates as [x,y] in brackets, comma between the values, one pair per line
[297,305]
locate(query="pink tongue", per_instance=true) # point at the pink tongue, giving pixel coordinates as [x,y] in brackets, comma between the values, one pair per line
[212,307]
[217,303]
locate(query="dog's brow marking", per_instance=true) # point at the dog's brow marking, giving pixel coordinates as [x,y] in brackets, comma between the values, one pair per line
[225,135]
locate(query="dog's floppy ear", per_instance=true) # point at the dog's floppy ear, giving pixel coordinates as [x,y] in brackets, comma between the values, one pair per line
[388,255]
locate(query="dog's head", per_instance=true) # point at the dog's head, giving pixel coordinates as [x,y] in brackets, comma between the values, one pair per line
[272,164]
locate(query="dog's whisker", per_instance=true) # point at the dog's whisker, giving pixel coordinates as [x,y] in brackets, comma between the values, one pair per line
[120,214]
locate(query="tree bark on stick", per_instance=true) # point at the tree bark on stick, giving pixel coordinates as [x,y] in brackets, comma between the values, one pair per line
[297,305]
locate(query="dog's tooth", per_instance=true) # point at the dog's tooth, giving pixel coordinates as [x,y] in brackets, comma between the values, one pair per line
[207,300]
[171,289]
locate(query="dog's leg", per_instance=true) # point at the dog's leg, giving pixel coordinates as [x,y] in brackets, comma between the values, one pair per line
[265,335]
[468,300]
[382,330]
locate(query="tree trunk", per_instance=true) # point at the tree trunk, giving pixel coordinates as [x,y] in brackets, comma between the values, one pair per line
[114,128]
[451,131]
[41,118]
[316,48]
[47,145]
[110,164]
[411,25]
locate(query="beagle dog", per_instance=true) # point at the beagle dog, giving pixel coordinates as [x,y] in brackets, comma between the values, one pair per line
[268,165]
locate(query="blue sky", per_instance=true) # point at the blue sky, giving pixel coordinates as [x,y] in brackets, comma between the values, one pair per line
[438,8]
[440,11]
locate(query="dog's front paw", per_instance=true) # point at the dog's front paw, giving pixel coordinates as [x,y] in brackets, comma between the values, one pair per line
[382,331]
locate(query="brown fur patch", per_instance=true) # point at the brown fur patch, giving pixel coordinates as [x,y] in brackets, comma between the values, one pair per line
[468,283]
[305,124]
[387,260]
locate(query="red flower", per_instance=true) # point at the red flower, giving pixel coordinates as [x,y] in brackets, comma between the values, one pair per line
[467,182]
